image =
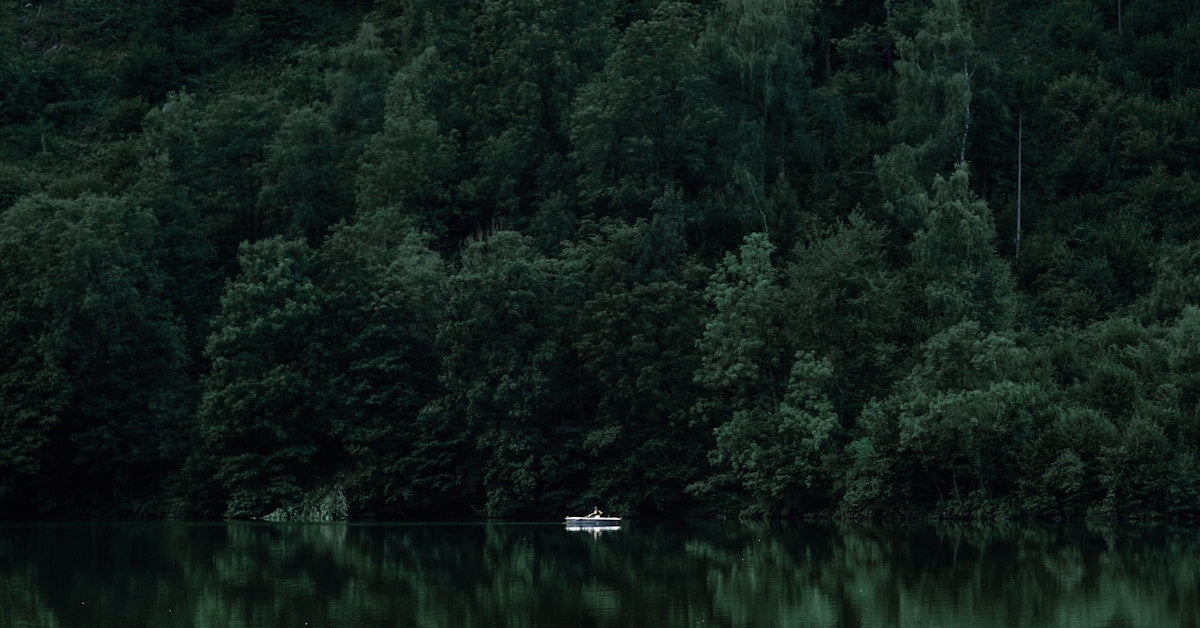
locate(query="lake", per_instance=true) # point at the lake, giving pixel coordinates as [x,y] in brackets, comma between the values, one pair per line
[506,574]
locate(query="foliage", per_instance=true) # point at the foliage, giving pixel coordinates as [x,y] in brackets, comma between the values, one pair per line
[93,386]
[263,413]
[513,257]
[383,286]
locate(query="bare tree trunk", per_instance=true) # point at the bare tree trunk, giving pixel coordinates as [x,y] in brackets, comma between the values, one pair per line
[1020,129]
[962,146]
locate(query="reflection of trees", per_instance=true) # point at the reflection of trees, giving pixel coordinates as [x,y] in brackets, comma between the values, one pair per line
[950,574]
[521,575]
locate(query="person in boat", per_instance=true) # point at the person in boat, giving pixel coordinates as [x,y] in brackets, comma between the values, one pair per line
[596,512]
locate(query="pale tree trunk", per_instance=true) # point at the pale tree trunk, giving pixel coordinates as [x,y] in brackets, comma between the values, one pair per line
[962,146]
[1020,129]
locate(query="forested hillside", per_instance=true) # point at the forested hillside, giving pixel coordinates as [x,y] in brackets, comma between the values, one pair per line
[513,258]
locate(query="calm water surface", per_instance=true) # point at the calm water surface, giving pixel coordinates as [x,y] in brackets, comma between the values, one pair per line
[252,574]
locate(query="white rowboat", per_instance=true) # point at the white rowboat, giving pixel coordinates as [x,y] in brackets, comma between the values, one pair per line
[593,521]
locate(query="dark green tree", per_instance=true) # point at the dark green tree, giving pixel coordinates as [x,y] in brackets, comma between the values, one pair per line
[932,102]
[93,388]
[782,457]
[187,256]
[263,417]
[635,336]
[412,162]
[955,260]
[933,83]
[847,304]
[386,287]
[527,59]
[302,193]
[954,431]
[649,121]
[503,372]
[212,151]
[756,55]
[744,348]
[745,353]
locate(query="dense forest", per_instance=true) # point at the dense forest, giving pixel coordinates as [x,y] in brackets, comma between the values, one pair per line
[514,258]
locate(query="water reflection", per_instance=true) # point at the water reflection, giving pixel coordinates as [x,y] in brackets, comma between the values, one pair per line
[542,575]
[593,530]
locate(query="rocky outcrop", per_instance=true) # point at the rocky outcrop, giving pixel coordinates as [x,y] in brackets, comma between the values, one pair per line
[328,504]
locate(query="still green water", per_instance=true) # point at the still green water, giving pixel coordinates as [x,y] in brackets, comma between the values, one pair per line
[251,574]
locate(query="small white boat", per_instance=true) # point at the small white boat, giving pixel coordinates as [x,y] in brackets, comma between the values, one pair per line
[593,525]
[591,522]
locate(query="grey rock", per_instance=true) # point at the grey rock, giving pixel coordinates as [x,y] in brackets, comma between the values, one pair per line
[327,504]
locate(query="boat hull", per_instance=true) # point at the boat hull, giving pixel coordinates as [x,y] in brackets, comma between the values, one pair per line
[593,521]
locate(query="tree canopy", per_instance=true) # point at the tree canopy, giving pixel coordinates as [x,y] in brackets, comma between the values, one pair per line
[510,258]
